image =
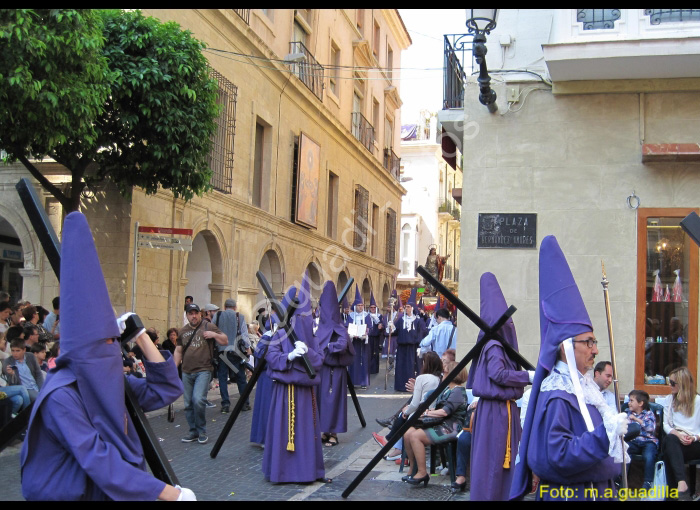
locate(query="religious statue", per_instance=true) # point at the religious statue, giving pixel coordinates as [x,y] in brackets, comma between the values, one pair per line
[435,265]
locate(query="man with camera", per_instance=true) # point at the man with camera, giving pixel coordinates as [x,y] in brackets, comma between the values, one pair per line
[232,357]
[196,350]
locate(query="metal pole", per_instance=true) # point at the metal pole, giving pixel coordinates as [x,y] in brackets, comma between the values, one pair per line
[134,269]
[614,367]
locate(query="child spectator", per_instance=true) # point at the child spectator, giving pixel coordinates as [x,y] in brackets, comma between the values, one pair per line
[39,351]
[54,351]
[646,443]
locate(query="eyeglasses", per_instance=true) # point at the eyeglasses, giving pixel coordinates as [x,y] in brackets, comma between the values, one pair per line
[672,383]
[589,343]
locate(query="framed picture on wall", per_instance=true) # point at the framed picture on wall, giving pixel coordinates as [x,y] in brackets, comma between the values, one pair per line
[308,174]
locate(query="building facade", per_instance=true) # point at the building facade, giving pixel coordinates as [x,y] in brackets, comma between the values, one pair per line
[305,165]
[429,213]
[595,137]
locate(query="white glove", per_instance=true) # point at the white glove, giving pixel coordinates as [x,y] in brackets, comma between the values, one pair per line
[296,353]
[621,424]
[531,375]
[185,494]
[302,346]
[366,339]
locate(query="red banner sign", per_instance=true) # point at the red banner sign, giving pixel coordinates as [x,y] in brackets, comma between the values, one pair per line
[167,230]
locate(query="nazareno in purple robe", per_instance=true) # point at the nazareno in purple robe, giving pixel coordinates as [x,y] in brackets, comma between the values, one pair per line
[333,341]
[497,380]
[565,455]
[408,364]
[263,397]
[359,369]
[81,443]
[293,448]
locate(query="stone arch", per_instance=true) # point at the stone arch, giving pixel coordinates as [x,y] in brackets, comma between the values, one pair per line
[386,293]
[365,290]
[29,284]
[272,266]
[316,278]
[343,278]
[204,268]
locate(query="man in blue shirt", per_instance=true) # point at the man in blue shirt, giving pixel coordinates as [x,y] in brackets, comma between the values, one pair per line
[441,337]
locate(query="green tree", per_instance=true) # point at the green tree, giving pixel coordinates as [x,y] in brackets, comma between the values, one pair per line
[109,95]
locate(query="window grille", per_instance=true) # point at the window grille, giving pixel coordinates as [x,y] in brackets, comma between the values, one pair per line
[361,218]
[390,237]
[658,16]
[595,19]
[221,156]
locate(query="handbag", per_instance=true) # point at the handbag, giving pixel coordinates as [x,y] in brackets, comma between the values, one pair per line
[427,422]
[659,488]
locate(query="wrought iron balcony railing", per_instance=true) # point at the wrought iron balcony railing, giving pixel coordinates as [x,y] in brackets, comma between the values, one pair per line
[392,163]
[456,45]
[308,70]
[363,130]
[244,14]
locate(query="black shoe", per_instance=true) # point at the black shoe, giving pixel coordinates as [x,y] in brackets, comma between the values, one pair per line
[458,487]
[247,407]
[385,422]
[224,410]
[418,481]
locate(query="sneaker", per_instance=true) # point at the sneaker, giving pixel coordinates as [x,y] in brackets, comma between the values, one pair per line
[386,422]
[224,409]
[190,438]
[210,405]
[381,441]
[202,439]
[247,407]
[646,486]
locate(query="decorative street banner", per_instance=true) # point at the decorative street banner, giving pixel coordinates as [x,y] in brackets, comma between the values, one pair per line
[507,230]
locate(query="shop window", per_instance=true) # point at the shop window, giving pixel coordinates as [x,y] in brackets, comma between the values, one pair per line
[667,290]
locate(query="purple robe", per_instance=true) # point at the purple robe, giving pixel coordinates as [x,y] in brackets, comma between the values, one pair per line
[563,453]
[408,364]
[305,462]
[496,380]
[359,370]
[333,390]
[263,397]
[64,452]
[375,339]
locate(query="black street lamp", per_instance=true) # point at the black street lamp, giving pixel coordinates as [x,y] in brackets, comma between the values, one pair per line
[480,22]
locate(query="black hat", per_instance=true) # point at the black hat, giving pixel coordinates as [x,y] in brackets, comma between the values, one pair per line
[191,307]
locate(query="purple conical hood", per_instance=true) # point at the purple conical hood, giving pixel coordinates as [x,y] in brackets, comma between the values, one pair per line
[562,315]
[412,298]
[302,320]
[493,306]
[87,320]
[358,297]
[372,302]
[87,317]
[330,315]
[562,311]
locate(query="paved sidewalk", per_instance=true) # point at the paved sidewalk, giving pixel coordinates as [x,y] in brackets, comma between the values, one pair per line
[236,474]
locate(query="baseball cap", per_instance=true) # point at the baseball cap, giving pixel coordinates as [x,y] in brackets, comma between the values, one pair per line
[191,307]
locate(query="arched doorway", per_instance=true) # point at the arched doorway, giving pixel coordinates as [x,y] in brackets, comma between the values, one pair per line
[205,270]
[270,266]
[386,292]
[315,280]
[366,291]
[11,261]
[342,281]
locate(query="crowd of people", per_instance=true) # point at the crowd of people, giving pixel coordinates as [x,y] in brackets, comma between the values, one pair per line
[559,439]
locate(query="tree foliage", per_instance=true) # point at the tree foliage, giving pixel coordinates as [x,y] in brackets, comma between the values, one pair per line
[110,95]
